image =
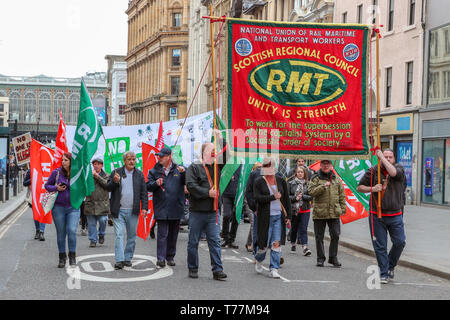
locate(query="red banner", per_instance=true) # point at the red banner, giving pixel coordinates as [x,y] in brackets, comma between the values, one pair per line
[61,143]
[41,160]
[298,88]
[149,160]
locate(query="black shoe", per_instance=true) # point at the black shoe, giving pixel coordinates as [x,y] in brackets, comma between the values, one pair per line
[232,245]
[101,239]
[41,236]
[293,249]
[118,265]
[249,248]
[335,263]
[219,275]
[127,264]
[62,260]
[152,233]
[193,274]
[281,260]
[72,260]
[36,236]
[93,244]
[319,263]
[224,244]
[160,263]
[110,222]
[171,263]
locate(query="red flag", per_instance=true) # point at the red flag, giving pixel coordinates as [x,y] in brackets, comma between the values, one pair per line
[355,209]
[160,141]
[61,143]
[41,159]
[149,160]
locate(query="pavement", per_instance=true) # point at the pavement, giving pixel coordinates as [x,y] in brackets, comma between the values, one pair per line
[427,239]
[13,204]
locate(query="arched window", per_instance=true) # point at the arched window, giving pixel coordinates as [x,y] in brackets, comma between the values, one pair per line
[45,104]
[29,108]
[59,104]
[74,108]
[15,104]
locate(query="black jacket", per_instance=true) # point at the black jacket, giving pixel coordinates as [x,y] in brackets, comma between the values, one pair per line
[393,199]
[140,195]
[167,204]
[231,189]
[27,180]
[263,198]
[249,188]
[306,205]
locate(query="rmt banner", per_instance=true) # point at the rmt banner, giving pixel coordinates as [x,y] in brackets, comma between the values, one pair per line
[298,89]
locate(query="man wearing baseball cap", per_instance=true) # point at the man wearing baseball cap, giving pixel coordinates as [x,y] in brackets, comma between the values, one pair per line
[96,206]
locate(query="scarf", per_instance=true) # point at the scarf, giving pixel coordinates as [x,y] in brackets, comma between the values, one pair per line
[301,184]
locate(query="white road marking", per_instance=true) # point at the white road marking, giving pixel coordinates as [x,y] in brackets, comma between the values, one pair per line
[235,251]
[416,284]
[8,224]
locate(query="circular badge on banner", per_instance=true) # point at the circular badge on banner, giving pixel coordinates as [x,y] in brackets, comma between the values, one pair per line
[243,47]
[351,52]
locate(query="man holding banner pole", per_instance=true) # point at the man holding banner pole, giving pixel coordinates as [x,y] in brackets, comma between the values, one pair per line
[391,188]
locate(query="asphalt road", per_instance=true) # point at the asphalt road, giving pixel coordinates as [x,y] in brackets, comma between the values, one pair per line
[28,271]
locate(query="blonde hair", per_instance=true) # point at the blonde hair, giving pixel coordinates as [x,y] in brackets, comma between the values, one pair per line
[305,173]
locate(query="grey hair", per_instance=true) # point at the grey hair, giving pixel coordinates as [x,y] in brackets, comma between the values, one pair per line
[128,153]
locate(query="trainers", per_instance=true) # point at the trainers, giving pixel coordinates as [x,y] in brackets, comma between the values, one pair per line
[118,265]
[384,280]
[92,245]
[101,239]
[232,245]
[274,274]
[335,263]
[219,275]
[391,274]
[193,274]
[83,232]
[160,263]
[36,236]
[41,236]
[293,249]
[171,263]
[224,244]
[127,264]
[319,263]
[306,252]
[258,267]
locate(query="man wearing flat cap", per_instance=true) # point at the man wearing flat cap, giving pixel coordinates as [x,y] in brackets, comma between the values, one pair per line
[329,204]
[96,206]
[166,180]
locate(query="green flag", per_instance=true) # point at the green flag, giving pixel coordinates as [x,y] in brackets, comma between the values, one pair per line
[85,144]
[240,193]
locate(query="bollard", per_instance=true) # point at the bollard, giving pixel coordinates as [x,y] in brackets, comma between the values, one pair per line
[3,188]
[15,187]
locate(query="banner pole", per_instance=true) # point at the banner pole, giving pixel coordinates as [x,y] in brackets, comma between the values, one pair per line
[214,102]
[378,122]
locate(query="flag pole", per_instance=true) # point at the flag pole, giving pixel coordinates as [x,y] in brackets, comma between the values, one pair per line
[214,103]
[378,122]
[107,149]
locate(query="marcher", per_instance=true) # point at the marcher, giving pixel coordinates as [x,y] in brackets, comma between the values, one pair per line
[96,206]
[273,209]
[301,210]
[299,163]
[64,215]
[40,227]
[392,188]
[251,203]
[230,224]
[129,198]
[83,221]
[203,215]
[329,204]
[167,181]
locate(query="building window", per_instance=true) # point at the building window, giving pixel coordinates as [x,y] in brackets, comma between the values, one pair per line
[74,108]
[59,104]
[30,108]
[176,57]
[45,108]
[122,87]
[439,59]
[122,109]
[433,44]
[412,11]
[391,15]
[433,87]
[388,86]
[447,41]
[177,19]
[344,17]
[409,81]
[2,107]
[447,84]
[360,12]
[174,86]
[374,12]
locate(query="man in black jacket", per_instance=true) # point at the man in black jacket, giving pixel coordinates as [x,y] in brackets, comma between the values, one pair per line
[128,196]
[203,212]
[166,180]
[393,177]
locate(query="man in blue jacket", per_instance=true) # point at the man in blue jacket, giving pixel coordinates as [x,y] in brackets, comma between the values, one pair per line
[166,180]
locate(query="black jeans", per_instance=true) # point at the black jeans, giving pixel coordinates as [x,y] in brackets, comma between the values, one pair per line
[166,244]
[230,224]
[334,227]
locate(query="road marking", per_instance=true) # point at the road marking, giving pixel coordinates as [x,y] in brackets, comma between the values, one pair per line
[9,223]
[235,251]
[416,284]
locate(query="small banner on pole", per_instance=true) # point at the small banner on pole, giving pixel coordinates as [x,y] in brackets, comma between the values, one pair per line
[297,88]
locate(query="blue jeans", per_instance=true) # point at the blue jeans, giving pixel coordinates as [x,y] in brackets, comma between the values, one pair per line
[66,222]
[166,245]
[92,226]
[274,235]
[299,229]
[125,220]
[39,226]
[393,225]
[199,222]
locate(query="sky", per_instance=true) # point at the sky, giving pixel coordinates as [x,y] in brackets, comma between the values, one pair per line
[60,38]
